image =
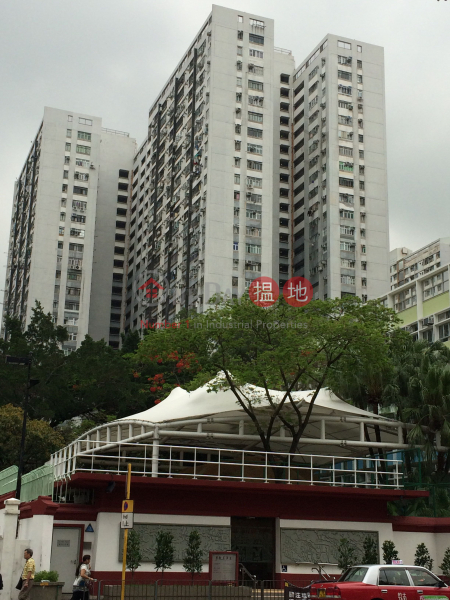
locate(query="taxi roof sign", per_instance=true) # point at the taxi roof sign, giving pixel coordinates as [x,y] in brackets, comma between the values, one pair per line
[128,506]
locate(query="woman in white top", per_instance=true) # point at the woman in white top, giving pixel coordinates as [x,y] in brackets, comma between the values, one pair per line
[82,579]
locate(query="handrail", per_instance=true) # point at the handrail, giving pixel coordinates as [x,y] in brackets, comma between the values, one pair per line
[197,462]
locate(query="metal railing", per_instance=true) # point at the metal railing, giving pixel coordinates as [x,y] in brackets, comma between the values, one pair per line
[190,589]
[282,50]
[187,462]
[115,131]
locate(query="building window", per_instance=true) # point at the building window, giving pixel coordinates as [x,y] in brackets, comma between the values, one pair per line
[254,148]
[348,279]
[359,48]
[61,230]
[344,151]
[254,182]
[83,135]
[256,53]
[252,249]
[345,45]
[361,154]
[239,65]
[64,187]
[235,246]
[70,118]
[256,133]
[359,78]
[359,64]
[344,120]
[361,138]
[62,216]
[345,75]
[361,185]
[255,165]
[255,85]
[346,182]
[67,160]
[239,50]
[81,162]
[237,161]
[345,166]
[83,121]
[83,149]
[68,146]
[342,89]
[256,39]
[256,117]
[82,191]
[363,249]
[239,81]
[237,178]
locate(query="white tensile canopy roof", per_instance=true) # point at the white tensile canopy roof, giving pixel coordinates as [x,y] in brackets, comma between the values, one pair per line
[201,403]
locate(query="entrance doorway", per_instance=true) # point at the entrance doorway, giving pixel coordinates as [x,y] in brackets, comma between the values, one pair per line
[65,554]
[254,539]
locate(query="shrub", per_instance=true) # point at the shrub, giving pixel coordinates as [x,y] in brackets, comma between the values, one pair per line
[52,576]
[389,552]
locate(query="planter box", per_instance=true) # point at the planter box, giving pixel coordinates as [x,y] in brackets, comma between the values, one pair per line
[47,591]
[176,592]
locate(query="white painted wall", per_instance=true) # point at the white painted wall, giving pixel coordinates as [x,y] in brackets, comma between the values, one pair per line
[106,548]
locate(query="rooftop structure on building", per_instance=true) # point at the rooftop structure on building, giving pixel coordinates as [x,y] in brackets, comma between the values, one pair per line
[68,229]
[255,167]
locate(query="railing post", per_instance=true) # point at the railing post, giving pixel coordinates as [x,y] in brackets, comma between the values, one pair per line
[242,466]
[155,452]
[376,473]
[209,589]
[99,585]
[334,472]
[289,468]
[156,590]
[312,472]
[355,472]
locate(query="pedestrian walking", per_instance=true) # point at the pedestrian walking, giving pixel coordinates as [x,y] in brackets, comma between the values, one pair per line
[82,579]
[27,579]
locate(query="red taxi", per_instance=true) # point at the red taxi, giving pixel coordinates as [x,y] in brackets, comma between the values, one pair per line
[383,582]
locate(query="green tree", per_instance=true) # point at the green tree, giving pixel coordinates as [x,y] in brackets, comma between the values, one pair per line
[445,565]
[370,549]
[279,348]
[134,556]
[41,440]
[193,562]
[422,557]
[346,555]
[164,551]
[389,552]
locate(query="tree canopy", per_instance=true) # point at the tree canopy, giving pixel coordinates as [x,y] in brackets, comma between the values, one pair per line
[277,348]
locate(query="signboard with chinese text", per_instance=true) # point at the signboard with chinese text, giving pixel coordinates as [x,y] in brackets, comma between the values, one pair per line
[223,566]
[127,521]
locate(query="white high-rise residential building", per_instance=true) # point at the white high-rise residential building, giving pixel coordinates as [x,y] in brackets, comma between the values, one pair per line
[340,182]
[68,230]
[255,167]
[211,183]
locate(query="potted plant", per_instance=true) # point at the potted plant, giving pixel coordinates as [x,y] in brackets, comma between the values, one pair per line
[46,586]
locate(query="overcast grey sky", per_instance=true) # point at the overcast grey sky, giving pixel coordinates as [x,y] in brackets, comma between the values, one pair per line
[110,58]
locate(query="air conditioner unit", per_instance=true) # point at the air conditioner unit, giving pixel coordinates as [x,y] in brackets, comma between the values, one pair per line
[207,94]
[209,34]
[350,107]
[249,186]
[92,166]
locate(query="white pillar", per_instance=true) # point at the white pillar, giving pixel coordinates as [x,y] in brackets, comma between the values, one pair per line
[7,555]
[155,452]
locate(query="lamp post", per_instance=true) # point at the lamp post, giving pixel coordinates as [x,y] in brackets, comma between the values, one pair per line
[25,360]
